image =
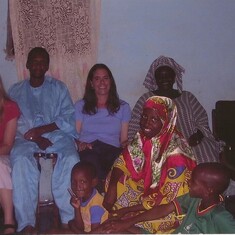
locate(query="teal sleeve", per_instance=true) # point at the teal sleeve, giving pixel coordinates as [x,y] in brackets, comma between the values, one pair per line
[183,202]
[224,222]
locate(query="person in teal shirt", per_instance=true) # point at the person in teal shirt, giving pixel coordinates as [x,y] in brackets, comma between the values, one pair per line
[200,211]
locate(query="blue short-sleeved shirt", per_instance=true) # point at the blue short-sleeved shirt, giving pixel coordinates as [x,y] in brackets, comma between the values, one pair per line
[102,125]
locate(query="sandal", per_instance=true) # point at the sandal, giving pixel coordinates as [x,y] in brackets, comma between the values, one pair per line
[10,227]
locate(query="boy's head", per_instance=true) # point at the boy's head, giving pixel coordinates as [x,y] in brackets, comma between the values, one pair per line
[211,178]
[83,179]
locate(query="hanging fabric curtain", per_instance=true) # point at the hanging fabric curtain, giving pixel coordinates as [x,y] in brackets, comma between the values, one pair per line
[68,29]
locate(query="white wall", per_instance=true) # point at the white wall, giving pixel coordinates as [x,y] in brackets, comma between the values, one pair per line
[198,34]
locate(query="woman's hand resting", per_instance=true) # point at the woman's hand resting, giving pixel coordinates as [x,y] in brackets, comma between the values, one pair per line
[83,145]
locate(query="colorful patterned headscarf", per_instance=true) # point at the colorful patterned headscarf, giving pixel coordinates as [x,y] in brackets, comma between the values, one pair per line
[150,81]
[144,157]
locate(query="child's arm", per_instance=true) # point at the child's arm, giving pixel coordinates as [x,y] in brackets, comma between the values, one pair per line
[125,212]
[77,224]
[117,226]
[78,219]
[94,227]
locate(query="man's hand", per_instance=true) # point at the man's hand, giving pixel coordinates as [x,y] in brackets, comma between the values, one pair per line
[34,133]
[195,138]
[42,142]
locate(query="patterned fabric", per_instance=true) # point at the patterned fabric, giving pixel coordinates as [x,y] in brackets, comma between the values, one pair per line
[191,116]
[69,30]
[155,170]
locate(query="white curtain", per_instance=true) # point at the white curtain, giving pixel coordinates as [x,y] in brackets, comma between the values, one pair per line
[68,29]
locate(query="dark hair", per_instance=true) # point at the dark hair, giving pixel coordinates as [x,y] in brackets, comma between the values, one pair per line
[216,175]
[90,99]
[38,51]
[164,67]
[88,167]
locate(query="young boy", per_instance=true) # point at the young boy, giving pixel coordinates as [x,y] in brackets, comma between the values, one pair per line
[87,202]
[202,209]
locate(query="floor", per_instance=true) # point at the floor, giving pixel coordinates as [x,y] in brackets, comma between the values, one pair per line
[48,221]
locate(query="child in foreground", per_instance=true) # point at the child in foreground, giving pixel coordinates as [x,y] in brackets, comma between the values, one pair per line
[202,209]
[87,202]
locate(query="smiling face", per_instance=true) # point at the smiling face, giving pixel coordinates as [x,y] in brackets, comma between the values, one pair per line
[82,183]
[165,78]
[150,123]
[101,82]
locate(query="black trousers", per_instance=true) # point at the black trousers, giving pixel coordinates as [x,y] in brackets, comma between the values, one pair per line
[102,155]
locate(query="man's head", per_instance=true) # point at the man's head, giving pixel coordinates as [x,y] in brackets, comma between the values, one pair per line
[211,178]
[38,51]
[38,64]
[165,78]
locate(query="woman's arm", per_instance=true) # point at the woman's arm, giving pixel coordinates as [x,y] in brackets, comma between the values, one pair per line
[156,212]
[111,194]
[9,137]
[78,126]
[124,134]
[81,145]
[127,212]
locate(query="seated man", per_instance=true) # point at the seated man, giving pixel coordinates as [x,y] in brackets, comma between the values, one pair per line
[46,125]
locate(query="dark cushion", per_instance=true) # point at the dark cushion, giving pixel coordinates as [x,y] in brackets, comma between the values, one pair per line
[225,121]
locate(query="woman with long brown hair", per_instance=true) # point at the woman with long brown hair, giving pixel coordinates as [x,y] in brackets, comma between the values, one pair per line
[102,121]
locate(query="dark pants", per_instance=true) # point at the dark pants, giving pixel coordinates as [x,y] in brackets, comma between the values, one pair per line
[102,156]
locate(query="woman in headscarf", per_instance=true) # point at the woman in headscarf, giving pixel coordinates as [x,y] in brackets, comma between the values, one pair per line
[192,119]
[154,168]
